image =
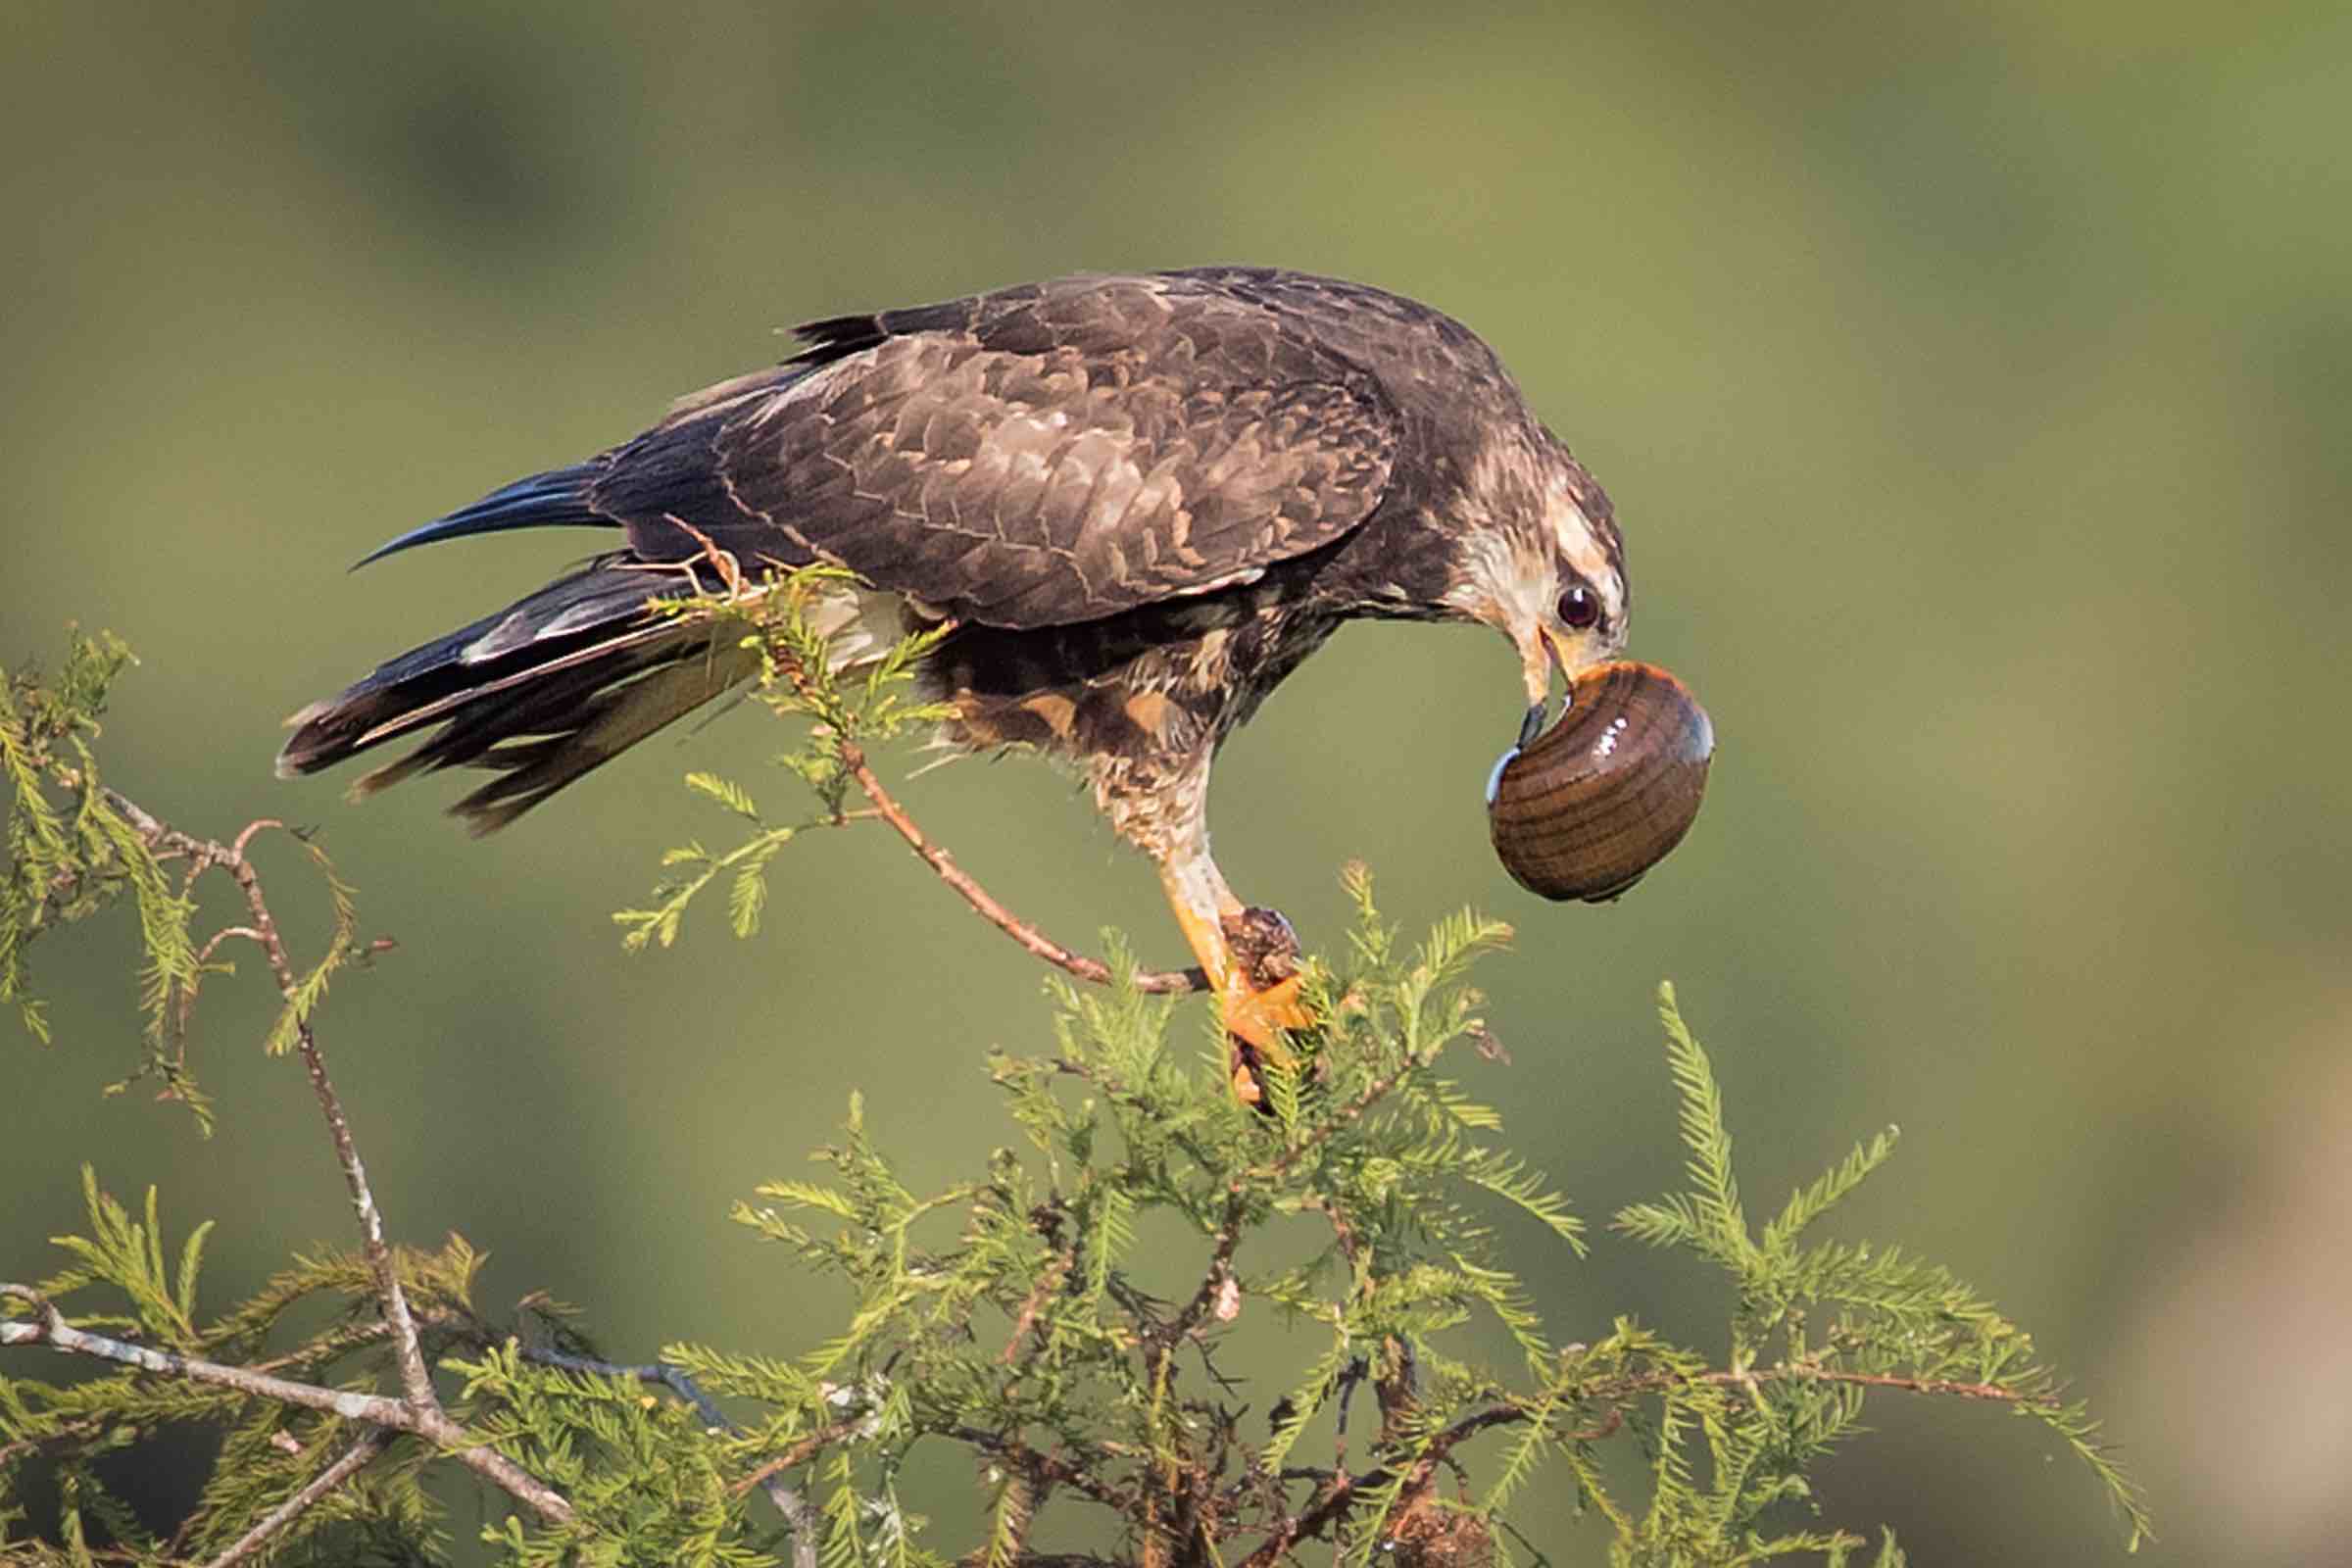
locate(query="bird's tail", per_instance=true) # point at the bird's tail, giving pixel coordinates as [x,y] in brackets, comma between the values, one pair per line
[540,692]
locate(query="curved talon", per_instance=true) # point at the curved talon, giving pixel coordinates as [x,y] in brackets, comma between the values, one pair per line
[1260,994]
[1255,1020]
[1260,1017]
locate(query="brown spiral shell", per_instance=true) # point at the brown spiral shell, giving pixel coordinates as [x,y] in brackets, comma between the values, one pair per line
[1598,799]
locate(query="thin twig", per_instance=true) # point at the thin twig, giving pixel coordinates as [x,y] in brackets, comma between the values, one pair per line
[354,1459]
[799,1515]
[1937,1387]
[1215,1280]
[69,1432]
[1164,981]
[1332,1499]
[415,1379]
[1619,1389]
[419,1409]
[801,1452]
[1346,1115]
[1046,1467]
[1049,1280]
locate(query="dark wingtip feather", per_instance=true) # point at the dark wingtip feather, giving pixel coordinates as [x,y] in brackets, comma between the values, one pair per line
[321,733]
[837,335]
[556,499]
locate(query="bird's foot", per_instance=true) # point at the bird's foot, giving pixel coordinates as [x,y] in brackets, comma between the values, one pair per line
[1260,996]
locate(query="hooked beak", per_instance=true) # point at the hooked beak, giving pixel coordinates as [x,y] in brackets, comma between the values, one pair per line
[1539,654]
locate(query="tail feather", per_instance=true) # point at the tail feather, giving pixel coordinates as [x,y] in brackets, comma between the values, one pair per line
[616,718]
[556,499]
[540,692]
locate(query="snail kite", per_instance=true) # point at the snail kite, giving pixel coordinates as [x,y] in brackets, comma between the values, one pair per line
[1141,501]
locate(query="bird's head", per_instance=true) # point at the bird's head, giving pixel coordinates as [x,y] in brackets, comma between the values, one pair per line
[1544,565]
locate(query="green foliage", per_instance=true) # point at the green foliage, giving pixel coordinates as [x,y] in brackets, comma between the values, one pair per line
[71,852]
[1016,1315]
[1835,1318]
[303,995]
[1035,1317]
[848,709]
[646,1477]
[76,848]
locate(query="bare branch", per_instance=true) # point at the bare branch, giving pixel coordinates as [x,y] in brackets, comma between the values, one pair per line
[415,1379]
[799,1515]
[1172,981]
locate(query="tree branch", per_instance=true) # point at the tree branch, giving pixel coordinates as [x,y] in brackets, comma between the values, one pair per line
[49,1327]
[801,1452]
[1333,1500]
[1166,981]
[419,1409]
[1215,1281]
[1046,1467]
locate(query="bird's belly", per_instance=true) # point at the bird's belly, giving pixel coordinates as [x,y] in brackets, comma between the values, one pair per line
[1160,691]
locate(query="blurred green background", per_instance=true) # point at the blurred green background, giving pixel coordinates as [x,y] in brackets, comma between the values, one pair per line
[1974,392]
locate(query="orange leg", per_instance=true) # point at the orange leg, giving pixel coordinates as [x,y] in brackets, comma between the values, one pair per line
[1211,915]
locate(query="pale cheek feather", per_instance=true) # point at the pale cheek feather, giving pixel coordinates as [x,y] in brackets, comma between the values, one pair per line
[1502,582]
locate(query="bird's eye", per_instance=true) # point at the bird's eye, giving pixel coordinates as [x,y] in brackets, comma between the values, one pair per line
[1580,607]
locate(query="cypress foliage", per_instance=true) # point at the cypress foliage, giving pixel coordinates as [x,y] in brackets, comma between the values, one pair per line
[1342,1231]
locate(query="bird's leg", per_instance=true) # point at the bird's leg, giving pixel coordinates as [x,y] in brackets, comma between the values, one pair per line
[1250,956]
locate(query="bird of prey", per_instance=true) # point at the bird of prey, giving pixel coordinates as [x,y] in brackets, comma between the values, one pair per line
[1137,500]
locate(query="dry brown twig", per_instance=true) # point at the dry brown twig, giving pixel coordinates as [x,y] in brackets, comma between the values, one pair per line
[1175,982]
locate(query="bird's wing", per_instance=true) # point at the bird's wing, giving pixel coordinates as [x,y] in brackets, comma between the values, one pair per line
[1039,457]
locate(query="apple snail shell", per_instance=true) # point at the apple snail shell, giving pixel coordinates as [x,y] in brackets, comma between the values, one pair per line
[1596,800]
